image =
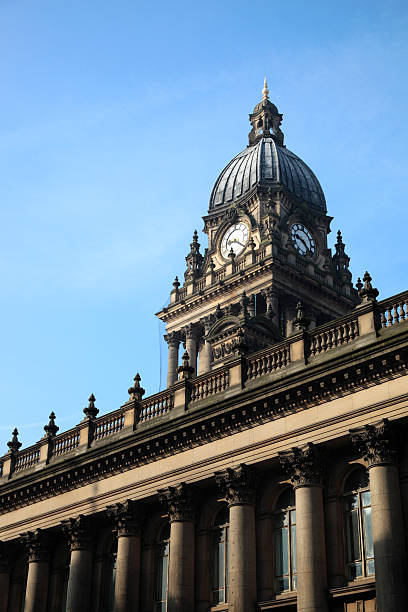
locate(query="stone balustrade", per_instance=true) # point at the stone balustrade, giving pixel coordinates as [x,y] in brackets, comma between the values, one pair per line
[332,335]
[27,458]
[393,310]
[256,368]
[108,425]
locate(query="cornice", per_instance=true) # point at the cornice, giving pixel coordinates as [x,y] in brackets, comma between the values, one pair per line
[221,416]
[274,264]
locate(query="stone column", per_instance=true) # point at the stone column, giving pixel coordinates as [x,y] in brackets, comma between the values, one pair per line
[204,361]
[38,571]
[238,488]
[173,342]
[377,445]
[304,466]
[80,569]
[126,517]
[4,578]
[191,347]
[178,503]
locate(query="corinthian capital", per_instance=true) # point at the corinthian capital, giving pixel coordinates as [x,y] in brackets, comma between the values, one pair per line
[238,485]
[126,516]
[303,465]
[376,443]
[178,502]
[78,532]
[36,544]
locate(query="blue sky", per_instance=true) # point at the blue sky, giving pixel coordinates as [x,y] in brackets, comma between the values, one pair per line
[115,120]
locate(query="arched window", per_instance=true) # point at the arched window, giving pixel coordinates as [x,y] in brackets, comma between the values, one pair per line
[285,542]
[112,576]
[162,569]
[220,557]
[357,525]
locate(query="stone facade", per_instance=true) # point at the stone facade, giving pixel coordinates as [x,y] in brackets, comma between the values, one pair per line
[272,472]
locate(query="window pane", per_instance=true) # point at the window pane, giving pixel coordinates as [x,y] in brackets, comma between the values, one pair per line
[226,562]
[355,570]
[368,533]
[366,498]
[353,537]
[293,548]
[111,600]
[281,546]
[370,569]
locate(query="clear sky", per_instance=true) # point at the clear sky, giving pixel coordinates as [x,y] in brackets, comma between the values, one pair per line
[115,120]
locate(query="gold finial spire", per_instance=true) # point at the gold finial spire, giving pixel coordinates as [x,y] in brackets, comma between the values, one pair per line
[265,91]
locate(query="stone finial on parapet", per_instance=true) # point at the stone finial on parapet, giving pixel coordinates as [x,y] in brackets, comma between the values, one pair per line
[366,291]
[301,322]
[91,410]
[51,429]
[136,392]
[185,370]
[14,444]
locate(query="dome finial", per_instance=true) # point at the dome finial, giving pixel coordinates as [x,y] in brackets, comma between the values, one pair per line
[265,91]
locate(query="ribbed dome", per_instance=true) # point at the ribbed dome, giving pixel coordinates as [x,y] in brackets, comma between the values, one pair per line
[266,162]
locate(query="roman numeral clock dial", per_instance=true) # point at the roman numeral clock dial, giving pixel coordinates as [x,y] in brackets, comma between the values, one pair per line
[235,238]
[302,240]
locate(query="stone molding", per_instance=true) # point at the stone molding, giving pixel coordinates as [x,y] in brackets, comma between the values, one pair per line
[36,544]
[78,532]
[238,485]
[376,443]
[178,502]
[304,465]
[299,396]
[127,517]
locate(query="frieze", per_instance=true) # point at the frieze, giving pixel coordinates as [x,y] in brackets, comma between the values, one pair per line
[276,405]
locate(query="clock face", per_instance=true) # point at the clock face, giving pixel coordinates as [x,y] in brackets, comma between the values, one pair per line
[235,238]
[302,239]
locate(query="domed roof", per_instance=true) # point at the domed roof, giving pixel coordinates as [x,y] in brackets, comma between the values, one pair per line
[266,162]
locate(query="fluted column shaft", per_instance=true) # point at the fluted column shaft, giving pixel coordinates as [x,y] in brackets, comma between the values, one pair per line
[80,569]
[191,348]
[304,467]
[238,488]
[178,502]
[173,355]
[38,571]
[127,517]
[377,446]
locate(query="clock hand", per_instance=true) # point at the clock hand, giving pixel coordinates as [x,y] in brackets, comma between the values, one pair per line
[237,241]
[302,241]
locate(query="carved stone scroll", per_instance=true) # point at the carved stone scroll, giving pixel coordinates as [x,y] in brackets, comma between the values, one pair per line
[178,502]
[78,532]
[375,443]
[238,485]
[303,465]
[127,517]
[37,545]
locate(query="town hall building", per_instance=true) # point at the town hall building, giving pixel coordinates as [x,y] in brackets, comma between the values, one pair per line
[272,472]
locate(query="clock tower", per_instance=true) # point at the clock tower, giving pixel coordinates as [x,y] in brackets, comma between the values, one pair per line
[267,271]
